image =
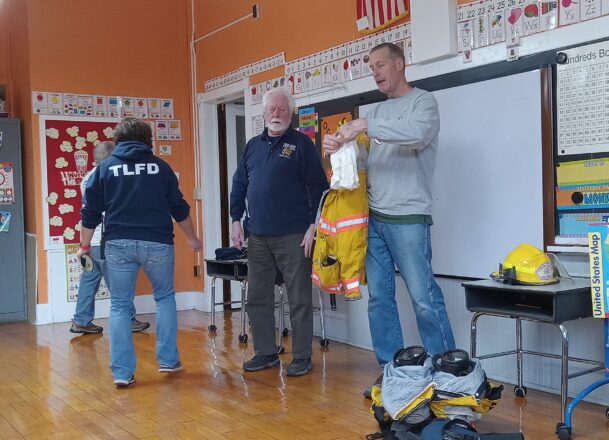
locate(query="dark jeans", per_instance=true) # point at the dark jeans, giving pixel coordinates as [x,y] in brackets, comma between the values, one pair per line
[265,255]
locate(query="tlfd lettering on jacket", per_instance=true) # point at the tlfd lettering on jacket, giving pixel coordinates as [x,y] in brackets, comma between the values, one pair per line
[136,169]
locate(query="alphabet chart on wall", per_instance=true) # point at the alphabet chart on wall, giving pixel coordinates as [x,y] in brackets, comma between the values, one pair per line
[583,100]
[74,271]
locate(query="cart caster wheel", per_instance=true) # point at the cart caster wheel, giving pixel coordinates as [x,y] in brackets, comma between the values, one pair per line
[607,413]
[520,391]
[563,432]
[243,338]
[324,343]
[280,350]
[212,328]
[285,332]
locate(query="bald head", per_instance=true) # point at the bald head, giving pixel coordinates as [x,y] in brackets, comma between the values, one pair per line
[102,151]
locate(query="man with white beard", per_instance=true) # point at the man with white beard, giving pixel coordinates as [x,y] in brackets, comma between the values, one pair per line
[281,177]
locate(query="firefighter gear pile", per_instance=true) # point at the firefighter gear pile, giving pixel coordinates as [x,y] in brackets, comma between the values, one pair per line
[414,395]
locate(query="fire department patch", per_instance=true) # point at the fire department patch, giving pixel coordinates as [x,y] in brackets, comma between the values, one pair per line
[287,150]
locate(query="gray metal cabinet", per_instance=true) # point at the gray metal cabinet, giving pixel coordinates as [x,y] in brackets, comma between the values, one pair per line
[12,237]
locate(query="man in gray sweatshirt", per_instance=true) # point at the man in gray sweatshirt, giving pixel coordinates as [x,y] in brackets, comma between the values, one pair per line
[404,141]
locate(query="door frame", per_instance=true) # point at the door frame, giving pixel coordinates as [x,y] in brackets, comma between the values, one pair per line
[231,111]
[210,168]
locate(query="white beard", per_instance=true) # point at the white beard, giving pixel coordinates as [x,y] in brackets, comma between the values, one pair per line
[278,126]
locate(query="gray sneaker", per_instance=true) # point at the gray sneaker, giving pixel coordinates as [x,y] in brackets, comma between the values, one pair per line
[85,329]
[260,362]
[167,369]
[138,326]
[299,367]
[124,383]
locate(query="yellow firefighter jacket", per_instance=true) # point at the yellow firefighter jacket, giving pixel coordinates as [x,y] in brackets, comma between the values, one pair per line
[342,239]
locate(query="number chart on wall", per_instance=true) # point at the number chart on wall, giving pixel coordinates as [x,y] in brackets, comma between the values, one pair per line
[582,171]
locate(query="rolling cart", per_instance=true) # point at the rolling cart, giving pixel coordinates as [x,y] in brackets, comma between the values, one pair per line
[236,270]
[231,270]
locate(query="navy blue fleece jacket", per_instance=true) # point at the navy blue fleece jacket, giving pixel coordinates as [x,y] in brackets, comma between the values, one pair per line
[282,180]
[139,194]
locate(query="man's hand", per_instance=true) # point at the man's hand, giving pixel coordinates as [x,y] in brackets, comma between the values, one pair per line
[346,132]
[195,244]
[349,131]
[332,144]
[80,252]
[237,235]
[307,241]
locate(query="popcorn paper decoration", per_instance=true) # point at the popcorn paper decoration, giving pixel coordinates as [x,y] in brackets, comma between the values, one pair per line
[72,131]
[52,198]
[64,208]
[61,162]
[70,193]
[53,133]
[68,234]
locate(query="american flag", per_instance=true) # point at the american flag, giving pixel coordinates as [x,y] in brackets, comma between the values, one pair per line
[380,13]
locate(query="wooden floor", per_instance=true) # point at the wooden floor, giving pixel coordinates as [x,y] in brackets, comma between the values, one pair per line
[56,385]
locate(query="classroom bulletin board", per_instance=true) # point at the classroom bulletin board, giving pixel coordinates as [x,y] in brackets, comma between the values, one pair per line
[67,157]
[582,156]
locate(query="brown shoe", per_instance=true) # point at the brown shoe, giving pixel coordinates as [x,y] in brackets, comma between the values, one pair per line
[85,329]
[138,326]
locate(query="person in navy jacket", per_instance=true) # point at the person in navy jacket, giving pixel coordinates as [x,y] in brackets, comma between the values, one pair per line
[281,177]
[140,195]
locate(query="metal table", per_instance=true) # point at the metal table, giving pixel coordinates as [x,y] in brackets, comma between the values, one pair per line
[236,270]
[551,304]
[231,270]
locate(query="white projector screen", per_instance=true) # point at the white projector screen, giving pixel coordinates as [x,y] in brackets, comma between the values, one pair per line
[487,185]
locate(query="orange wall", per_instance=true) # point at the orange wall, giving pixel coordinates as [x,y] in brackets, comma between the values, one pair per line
[4,34]
[114,47]
[296,28]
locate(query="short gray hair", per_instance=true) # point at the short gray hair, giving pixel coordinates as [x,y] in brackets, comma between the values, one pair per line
[102,151]
[278,91]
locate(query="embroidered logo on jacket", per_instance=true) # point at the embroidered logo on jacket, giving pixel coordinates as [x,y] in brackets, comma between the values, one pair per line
[134,169]
[287,150]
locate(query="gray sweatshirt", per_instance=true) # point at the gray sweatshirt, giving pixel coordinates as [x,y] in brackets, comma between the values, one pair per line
[404,141]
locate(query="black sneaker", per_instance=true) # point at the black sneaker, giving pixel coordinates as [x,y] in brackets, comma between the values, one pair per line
[138,326]
[260,362]
[85,329]
[299,367]
[368,391]
[124,383]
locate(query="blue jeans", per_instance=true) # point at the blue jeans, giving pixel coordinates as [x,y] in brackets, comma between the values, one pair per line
[123,261]
[409,248]
[88,287]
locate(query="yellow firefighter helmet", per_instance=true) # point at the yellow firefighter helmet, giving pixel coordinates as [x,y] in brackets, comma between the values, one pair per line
[526,264]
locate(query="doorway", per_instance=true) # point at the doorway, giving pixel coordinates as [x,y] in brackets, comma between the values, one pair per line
[211,157]
[231,127]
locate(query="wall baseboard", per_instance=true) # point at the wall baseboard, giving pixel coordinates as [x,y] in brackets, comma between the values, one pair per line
[143,304]
[43,314]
